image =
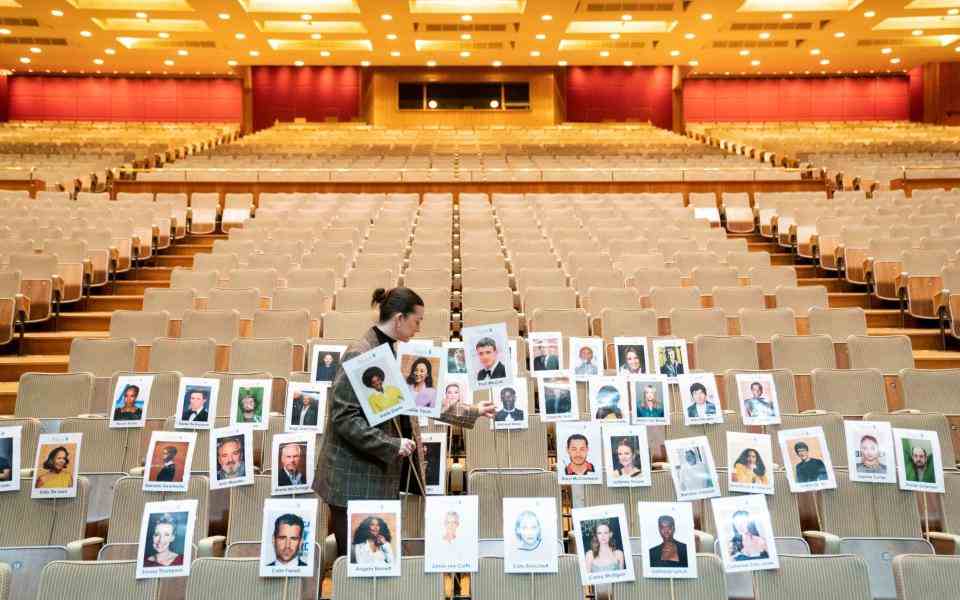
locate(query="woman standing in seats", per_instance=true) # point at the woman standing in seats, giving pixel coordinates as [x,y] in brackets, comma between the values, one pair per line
[360,462]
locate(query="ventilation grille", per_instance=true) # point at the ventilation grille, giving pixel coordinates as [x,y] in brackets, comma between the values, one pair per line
[14,22]
[774,26]
[629,7]
[751,44]
[33,41]
[602,45]
[440,27]
[457,46]
[184,44]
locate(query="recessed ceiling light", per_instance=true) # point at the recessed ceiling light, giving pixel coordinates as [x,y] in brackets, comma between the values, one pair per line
[432,104]
[706,16]
[839,34]
[604,53]
[755,62]
[614,36]
[465,54]
[628,63]
[240,35]
[4,31]
[765,35]
[627,17]
[953,12]
[306,17]
[98,61]
[391,36]
[534,53]
[364,63]
[394,53]
[325,53]
[315,36]
[182,52]
[744,52]
[25,60]
[689,35]
[224,16]
[825,61]
[870,14]
[86,34]
[886,50]
[168,62]
[815,51]
[494,104]
[694,63]
[431,63]
[254,53]
[232,63]
[894,61]
[110,51]
[164,35]
[787,16]
[546,17]
[466,18]
[56,13]
[541,36]
[142,15]
[466,37]
[917,32]
[956,49]
[298,63]
[386,17]
[674,53]
[35,50]
[497,63]
[561,63]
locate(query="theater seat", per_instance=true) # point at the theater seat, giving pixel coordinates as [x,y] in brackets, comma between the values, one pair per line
[491,583]
[89,579]
[842,577]
[412,582]
[924,576]
[231,578]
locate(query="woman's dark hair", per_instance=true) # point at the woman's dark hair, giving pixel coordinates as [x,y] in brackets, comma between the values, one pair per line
[736,542]
[629,442]
[363,530]
[604,411]
[397,300]
[760,469]
[429,379]
[369,374]
[595,543]
[48,464]
[131,387]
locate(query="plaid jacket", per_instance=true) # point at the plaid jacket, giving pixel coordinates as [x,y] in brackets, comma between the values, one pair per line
[360,462]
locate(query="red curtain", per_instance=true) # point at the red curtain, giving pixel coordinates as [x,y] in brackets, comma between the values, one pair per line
[313,93]
[596,94]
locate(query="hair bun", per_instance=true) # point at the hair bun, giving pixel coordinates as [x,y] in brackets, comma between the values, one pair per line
[379,295]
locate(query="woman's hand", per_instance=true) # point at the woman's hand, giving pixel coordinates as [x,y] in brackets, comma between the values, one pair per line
[406,447]
[486,408]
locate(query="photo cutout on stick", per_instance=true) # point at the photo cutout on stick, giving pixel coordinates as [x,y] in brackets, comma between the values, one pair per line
[423,369]
[452,534]
[546,353]
[306,406]
[512,405]
[609,399]
[651,400]
[513,356]
[586,357]
[490,361]
[870,451]
[692,468]
[456,358]
[670,355]
[631,353]
[558,399]
[165,547]
[169,460]
[131,397]
[294,456]
[626,455]
[579,452]
[700,399]
[807,459]
[920,463]
[324,361]
[56,465]
[530,535]
[379,385]
[750,463]
[250,403]
[669,546]
[757,397]
[10,458]
[231,457]
[745,533]
[456,390]
[373,538]
[603,544]
[197,402]
[288,537]
[435,445]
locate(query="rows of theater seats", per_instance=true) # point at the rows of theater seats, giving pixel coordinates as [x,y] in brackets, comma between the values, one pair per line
[570,263]
[861,154]
[79,155]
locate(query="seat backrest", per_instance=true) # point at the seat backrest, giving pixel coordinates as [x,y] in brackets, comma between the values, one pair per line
[191,357]
[731,299]
[103,357]
[493,486]
[129,500]
[229,578]
[925,576]
[744,261]
[201,282]
[838,323]
[690,322]
[140,326]
[880,510]
[763,324]
[931,389]
[928,421]
[490,583]
[889,353]
[174,301]
[802,299]
[221,326]
[306,277]
[771,278]
[628,322]
[88,579]
[347,325]
[549,297]
[803,353]
[221,263]
[489,449]
[833,577]
[290,323]
[245,301]
[34,266]
[54,395]
[718,353]
[275,356]
[246,506]
[264,280]
[413,582]
[707,278]
[645,280]
[28,522]
[784,512]
[782,378]
[568,321]
[497,298]
[830,422]
[849,391]
[665,299]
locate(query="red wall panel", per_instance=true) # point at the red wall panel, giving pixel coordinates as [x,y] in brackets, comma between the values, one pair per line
[124,99]
[620,93]
[797,99]
[313,93]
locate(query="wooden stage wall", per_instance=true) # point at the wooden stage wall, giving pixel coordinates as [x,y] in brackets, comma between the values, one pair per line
[908,185]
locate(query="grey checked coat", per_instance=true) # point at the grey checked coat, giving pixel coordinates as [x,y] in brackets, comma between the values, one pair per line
[360,462]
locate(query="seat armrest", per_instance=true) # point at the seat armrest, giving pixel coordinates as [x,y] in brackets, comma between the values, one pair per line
[23,305]
[705,541]
[329,554]
[137,471]
[826,543]
[85,549]
[212,546]
[58,284]
[944,540]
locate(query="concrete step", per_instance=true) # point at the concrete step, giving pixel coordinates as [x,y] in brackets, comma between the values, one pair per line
[781,259]
[154,273]
[890,317]
[136,286]
[55,342]
[920,339]
[832,284]
[203,240]
[848,300]
[12,367]
[77,321]
[115,302]
[189,249]
[174,260]
[764,246]
[936,359]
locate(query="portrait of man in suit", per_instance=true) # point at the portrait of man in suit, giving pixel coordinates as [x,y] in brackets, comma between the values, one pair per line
[230,458]
[508,410]
[195,405]
[489,357]
[304,409]
[292,468]
[168,472]
[546,356]
[287,541]
[701,406]
[671,366]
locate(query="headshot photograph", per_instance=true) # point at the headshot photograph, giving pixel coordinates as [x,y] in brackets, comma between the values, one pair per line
[757,394]
[292,464]
[692,468]
[631,355]
[558,399]
[530,534]
[287,537]
[745,533]
[375,539]
[671,356]
[808,459]
[435,466]
[700,399]
[455,389]
[451,532]
[325,362]
[586,357]
[488,355]
[608,399]
[456,358]
[55,469]
[251,402]
[626,455]
[510,402]
[921,464]
[306,406]
[196,403]
[545,352]
[165,543]
[9,464]
[651,400]
[579,452]
[423,373]
[379,384]
[231,457]
[870,453]
[131,395]
[168,461]
[666,531]
[603,544]
[751,462]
